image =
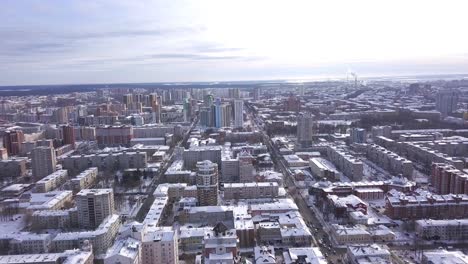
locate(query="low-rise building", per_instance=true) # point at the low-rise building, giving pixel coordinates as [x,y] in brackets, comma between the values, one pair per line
[13,168]
[177,174]
[84,180]
[250,190]
[200,153]
[350,235]
[455,229]
[51,181]
[303,255]
[191,239]
[427,155]
[124,251]
[148,141]
[105,161]
[101,239]
[29,243]
[54,200]
[221,242]
[296,236]
[208,215]
[67,257]
[156,211]
[269,233]
[295,161]
[322,189]
[364,254]
[264,255]
[443,256]
[342,206]
[114,135]
[322,168]
[388,160]
[277,206]
[346,162]
[15,190]
[54,219]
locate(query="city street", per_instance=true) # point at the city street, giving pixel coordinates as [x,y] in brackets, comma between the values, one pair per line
[320,237]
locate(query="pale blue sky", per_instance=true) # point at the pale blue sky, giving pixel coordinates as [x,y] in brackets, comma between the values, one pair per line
[106,41]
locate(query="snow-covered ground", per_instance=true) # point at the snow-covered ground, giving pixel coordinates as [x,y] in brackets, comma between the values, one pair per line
[15,224]
[372,172]
[420,177]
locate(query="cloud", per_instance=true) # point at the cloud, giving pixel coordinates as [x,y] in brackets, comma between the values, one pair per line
[214,47]
[129,33]
[19,42]
[194,56]
[162,58]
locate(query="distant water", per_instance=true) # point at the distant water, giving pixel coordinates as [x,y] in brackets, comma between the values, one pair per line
[24,90]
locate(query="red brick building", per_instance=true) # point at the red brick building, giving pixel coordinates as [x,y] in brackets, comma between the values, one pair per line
[447,179]
[426,205]
[292,104]
[68,133]
[114,135]
[12,141]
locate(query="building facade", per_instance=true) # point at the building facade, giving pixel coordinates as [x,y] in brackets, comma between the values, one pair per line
[207,183]
[238,113]
[305,129]
[251,190]
[43,162]
[94,205]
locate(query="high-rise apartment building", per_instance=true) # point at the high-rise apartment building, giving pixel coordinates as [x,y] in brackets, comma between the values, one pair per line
[305,129]
[221,113]
[208,100]
[246,168]
[61,115]
[127,99]
[206,117]
[447,101]
[94,205]
[217,113]
[207,183]
[446,179]
[238,113]
[187,111]
[357,135]
[381,131]
[68,133]
[234,93]
[155,101]
[292,104]
[256,93]
[43,162]
[12,141]
[226,112]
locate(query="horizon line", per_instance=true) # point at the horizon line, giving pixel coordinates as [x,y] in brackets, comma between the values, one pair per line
[292,80]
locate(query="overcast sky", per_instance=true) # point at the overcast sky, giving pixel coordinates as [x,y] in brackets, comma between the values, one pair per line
[107,41]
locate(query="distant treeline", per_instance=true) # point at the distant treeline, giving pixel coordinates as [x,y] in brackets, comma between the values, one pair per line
[25,90]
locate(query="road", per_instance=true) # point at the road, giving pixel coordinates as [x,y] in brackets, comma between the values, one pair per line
[320,237]
[156,180]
